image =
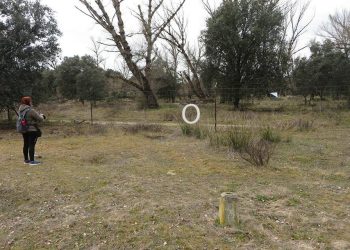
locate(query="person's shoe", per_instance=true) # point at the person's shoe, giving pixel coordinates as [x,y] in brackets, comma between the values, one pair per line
[26,162]
[34,163]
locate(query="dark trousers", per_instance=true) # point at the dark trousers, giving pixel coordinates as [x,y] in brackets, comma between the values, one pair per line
[29,140]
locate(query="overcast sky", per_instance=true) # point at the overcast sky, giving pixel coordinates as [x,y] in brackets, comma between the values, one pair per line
[78,29]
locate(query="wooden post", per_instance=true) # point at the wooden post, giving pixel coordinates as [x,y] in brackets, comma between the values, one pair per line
[228,210]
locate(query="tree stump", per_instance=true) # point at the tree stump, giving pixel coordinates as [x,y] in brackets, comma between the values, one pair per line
[228,210]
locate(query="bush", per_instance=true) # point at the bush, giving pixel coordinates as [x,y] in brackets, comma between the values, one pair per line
[269,135]
[257,152]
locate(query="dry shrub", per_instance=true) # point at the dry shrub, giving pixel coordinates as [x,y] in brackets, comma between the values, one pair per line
[299,124]
[248,145]
[257,152]
[140,127]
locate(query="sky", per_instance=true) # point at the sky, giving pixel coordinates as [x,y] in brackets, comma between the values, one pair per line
[78,29]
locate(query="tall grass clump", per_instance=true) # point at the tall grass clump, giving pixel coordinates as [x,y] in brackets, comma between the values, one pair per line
[268,134]
[250,146]
[194,130]
[238,138]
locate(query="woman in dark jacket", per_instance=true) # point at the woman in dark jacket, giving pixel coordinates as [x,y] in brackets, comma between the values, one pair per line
[31,136]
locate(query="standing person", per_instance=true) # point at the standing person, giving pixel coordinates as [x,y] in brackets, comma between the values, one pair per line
[31,136]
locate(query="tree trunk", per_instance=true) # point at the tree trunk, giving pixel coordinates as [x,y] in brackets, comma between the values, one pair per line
[151,99]
[91,118]
[236,95]
[9,117]
[236,101]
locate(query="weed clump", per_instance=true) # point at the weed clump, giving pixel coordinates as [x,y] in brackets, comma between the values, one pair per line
[250,147]
[269,135]
[195,131]
[238,139]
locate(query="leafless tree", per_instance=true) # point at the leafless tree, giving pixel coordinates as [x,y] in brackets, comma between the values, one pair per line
[176,35]
[296,25]
[338,30]
[209,7]
[98,51]
[153,25]
[174,60]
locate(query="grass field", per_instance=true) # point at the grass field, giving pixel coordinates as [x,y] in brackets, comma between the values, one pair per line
[109,187]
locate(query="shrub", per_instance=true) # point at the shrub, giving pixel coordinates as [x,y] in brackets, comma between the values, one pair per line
[269,135]
[257,152]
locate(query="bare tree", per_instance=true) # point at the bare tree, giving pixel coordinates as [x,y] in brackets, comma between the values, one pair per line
[174,60]
[209,8]
[98,51]
[338,30]
[151,30]
[296,25]
[176,36]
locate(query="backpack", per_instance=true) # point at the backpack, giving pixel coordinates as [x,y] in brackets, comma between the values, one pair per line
[22,124]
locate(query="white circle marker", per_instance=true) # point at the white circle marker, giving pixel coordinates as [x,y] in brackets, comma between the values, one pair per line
[184,114]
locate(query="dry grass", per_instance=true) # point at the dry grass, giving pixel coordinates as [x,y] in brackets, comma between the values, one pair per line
[102,188]
[140,127]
